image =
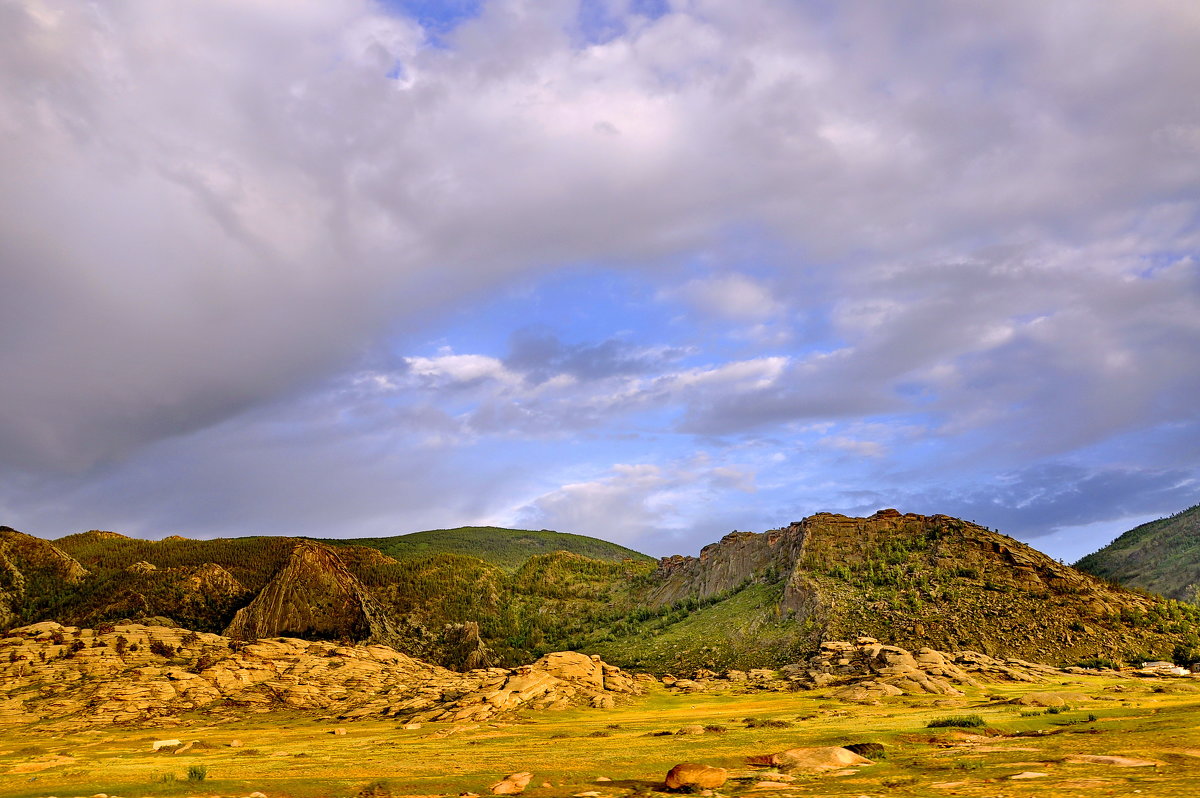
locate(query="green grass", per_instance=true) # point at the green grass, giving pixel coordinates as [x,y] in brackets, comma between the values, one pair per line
[507,548]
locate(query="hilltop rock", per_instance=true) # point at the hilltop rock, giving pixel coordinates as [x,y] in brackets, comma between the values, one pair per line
[78,678]
[313,595]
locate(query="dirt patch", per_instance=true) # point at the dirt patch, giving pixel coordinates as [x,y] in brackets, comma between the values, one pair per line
[45,764]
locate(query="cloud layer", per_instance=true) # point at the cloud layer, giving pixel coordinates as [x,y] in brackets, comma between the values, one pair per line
[867,251]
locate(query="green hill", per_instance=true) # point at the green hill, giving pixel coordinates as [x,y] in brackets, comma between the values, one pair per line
[1162,556]
[506,548]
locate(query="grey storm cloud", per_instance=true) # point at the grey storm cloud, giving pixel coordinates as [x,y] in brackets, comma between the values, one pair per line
[214,206]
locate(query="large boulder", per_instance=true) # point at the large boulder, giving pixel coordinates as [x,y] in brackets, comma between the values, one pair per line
[811,759]
[691,775]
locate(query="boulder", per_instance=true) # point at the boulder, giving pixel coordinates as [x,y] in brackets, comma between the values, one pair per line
[512,784]
[691,775]
[811,759]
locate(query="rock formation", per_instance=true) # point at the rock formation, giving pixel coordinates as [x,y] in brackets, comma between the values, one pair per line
[147,675]
[866,670]
[313,595]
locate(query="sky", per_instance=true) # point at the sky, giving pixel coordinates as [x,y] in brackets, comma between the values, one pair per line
[647,270]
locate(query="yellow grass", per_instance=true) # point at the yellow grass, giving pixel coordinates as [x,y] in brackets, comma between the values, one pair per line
[291,754]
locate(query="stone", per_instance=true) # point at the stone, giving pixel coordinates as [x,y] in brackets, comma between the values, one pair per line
[158,745]
[692,775]
[1028,774]
[1115,761]
[691,729]
[818,759]
[870,751]
[512,784]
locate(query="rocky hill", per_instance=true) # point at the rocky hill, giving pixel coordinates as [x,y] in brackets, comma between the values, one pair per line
[1162,556]
[67,678]
[906,579]
[749,600]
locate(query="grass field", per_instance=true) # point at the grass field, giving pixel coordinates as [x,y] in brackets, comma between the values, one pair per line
[289,754]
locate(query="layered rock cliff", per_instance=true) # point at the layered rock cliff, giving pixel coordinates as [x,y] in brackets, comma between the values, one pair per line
[313,595]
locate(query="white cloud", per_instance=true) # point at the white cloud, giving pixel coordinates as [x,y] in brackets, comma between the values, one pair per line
[732,296]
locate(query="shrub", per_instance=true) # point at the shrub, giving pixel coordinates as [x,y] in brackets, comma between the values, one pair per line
[162,649]
[957,721]
[766,723]
[197,773]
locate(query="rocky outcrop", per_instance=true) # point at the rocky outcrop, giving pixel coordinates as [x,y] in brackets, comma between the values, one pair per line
[722,566]
[143,675]
[867,670]
[313,595]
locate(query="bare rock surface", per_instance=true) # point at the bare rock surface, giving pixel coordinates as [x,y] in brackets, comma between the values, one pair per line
[694,776]
[149,675]
[812,759]
[865,670]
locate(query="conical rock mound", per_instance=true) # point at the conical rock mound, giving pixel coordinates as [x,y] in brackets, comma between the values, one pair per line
[313,595]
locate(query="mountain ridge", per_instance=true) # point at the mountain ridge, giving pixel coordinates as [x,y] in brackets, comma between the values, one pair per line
[1162,556]
[749,600]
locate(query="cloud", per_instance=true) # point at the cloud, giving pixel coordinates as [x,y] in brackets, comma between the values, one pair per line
[732,296]
[199,226]
[636,503]
[978,221]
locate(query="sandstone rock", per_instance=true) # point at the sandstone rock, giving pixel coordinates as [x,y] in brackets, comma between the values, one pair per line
[158,745]
[691,729]
[134,685]
[811,759]
[1028,774]
[1115,761]
[512,784]
[692,775]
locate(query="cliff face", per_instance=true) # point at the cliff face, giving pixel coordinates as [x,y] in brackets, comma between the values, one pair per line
[723,566]
[313,595]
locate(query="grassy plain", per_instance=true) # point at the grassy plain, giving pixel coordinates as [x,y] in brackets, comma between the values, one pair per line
[291,754]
